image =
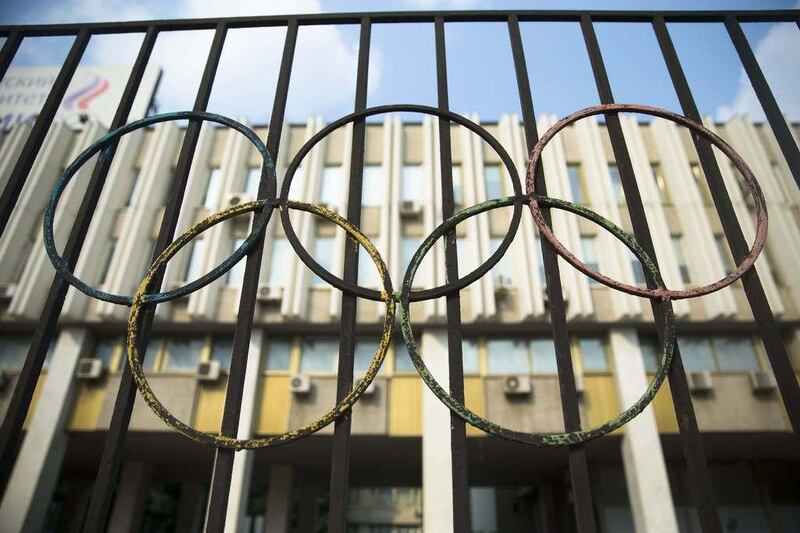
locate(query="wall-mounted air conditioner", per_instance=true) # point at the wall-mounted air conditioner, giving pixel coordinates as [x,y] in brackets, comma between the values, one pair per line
[502,284]
[7,291]
[300,384]
[517,385]
[700,382]
[89,369]
[410,208]
[208,371]
[236,198]
[762,382]
[269,294]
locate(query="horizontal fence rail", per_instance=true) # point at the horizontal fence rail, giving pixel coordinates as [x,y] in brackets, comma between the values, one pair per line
[583,500]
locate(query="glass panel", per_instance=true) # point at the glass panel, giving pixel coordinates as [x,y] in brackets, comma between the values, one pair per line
[735,354]
[194,266]
[402,361]
[724,253]
[492,177]
[252,181]
[323,251]
[363,354]
[651,351]
[540,261]
[278,273]
[593,354]
[469,352]
[508,357]
[373,184]
[616,184]
[677,246]
[367,271]
[408,246]
[278,355]
[213,188]
[235,275]
[575,183]
[696,354]
[544,356]
[221,350]
[590,255]
[636,266]
[503,269]
[104,349]
[13,351]
[411,183]
[183,354]
[319,355]
[458,185]
[661,184]
[107,263]
[330,190]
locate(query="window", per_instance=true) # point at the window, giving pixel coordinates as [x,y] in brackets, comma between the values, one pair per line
[252,181]
[699,180]
[696,354]
[589,250]
[104,349]
[319,355]
[593,354]
[112,247]
[402,361]
[636,266]
[408,246]
[651,352]
[458,185]
[278,273]
[195,264]
[13,350]
[411,183]
[661,184]
[323,251]
[544,356]
[575,183]
[277,356]
[362,355]
[503,269]
[616,184]
[540,261]
[131,188]
[735,354]
[724,253]
[367,271]
[507,356]
[469,352]
[492,176]
[235,275]
[677,246]
[222,350]
[182,354]
[213,188]
[330,190]
[373,185]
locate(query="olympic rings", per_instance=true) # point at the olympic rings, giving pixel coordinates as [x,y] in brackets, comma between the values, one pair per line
[697,129]
[536,439]
[105,145]
[427,294]
[222,441]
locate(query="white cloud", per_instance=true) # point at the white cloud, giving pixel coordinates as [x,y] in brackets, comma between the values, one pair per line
[782,71]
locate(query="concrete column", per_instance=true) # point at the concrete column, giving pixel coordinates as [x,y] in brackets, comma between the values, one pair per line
[239,493]
[437,467]
[134,481]
[39,462]
[642,457]
[279,499]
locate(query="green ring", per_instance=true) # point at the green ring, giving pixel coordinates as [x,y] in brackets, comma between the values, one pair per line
[536,439]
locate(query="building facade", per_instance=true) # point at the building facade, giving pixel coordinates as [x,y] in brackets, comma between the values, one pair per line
[400,456]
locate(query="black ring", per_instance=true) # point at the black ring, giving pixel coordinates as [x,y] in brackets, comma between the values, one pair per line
[105,146]
[427,294]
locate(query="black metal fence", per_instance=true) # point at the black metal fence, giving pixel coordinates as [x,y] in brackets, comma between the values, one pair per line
[700,483]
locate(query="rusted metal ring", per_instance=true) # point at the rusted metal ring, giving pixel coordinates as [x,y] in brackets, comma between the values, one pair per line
[697,129]
[427,294]
[223,441]
[108,142]
[537,439]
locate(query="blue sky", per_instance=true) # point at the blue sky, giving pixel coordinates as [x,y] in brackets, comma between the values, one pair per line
[402,68]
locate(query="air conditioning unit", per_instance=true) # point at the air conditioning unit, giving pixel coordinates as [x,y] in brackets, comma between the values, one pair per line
[410,208]
[236,198]
[89,369]
[7,291]
[269,294]
[517,385]
[371,388]
[502,283]
[208,371]
[762,382]
[300,384]
[700,382]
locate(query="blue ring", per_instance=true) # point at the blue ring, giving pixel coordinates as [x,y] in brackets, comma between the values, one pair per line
[108,142]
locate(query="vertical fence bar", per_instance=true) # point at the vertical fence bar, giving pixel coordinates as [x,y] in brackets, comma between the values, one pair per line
[458,435]
[756,297]
[578,466]
[223,459]
[699,476]
[40,128]
[11,429]
[340,456]
[776,119]
[9,50]
[103,490]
